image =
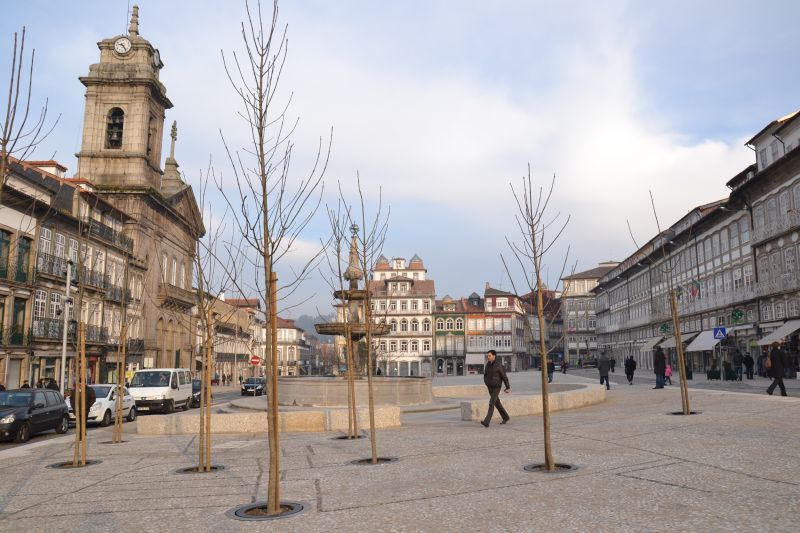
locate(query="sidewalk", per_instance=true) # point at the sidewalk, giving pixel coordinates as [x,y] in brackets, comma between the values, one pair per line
[735,466]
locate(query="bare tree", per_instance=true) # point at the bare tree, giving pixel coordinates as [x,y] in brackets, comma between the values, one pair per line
[539,231]
[20,132]
[271,208]
[668,266]
[370,240]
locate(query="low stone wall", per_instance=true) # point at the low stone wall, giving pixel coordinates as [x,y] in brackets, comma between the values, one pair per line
[332,392]
[479,391]
[527,405]
[295,421]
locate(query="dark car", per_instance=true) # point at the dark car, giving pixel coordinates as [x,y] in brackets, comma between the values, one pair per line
[24,412]
[590,363]
[196,383]
[253,386]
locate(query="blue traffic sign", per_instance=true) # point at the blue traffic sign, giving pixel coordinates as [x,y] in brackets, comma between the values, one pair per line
[720,333]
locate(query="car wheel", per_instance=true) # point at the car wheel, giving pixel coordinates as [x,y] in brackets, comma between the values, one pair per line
[169,407]
[23,433]
[106,421]
[132,414]
[185,406]
[63,425]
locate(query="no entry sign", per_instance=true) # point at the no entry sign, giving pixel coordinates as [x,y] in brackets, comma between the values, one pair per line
[255,360]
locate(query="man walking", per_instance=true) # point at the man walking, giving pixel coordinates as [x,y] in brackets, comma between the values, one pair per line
[551,368]
[494,376]
[748,365]
[659,367]
[630,368]
[603,365]
[738,362]
[778,360]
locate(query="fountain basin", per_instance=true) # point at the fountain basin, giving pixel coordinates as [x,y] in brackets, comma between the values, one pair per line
[332,391]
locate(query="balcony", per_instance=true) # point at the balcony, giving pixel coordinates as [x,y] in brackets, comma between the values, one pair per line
[12,272]
[51,265]
[92,278]
[51,329]
[785,282]
[108,234]
[96,334]
[742,294]
[789,221]
[116,294]
[175,295]
[15,336]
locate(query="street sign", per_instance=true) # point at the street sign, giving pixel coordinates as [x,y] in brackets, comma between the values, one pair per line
[720,333]
[255,360]
[664,328]
[737,315]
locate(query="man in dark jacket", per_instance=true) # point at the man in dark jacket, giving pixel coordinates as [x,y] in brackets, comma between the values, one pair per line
[603,365]
[778,359]
[659,367]
[738,361]
[494,376]
[630,368]
[749,362]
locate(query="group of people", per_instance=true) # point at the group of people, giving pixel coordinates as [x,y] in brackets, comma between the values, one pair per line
[226,379]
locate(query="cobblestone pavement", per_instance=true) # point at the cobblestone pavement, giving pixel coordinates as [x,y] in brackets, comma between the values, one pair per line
[735,467]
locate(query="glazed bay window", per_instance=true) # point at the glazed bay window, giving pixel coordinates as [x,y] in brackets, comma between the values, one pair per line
[789,260]
[737,278]
[780,311]
[734,231]
[766,312]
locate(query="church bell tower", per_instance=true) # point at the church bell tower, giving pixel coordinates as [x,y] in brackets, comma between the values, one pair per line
[124,115]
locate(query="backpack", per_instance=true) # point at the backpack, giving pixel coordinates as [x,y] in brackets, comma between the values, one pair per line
[768,362]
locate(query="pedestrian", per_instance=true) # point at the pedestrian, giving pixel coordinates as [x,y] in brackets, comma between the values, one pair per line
[494,376]
[52,384]
[630,368]
[659,367]
[224,379]
[25,385]
[738,363]
[378,371]
[603,364]
[240,381]
[230,380]
[748,365]
[2,387]
[613,364]
[564,366]
[39,384]
[668,374]
[551,367]
[775,363]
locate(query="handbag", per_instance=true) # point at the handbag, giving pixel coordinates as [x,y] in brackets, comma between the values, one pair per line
[768,362]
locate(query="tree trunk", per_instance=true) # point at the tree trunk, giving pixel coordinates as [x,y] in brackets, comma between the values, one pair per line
[673,302]
[548,453]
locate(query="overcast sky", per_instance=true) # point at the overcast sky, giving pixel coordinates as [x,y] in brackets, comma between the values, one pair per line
[443,104]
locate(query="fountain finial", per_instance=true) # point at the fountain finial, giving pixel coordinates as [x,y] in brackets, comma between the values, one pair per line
[353,272]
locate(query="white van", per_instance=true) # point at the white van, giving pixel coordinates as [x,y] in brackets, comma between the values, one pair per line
[161,389]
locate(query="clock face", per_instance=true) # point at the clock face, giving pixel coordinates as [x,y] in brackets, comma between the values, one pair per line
[122,45]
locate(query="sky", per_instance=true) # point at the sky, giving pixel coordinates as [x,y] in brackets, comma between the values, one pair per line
[440,106]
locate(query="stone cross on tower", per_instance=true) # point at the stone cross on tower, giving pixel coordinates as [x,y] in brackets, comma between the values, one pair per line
[174,135]
[133,29]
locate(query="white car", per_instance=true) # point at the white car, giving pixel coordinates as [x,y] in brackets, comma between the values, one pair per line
[105,405]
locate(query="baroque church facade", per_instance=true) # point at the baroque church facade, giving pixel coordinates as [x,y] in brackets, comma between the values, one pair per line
[120,161]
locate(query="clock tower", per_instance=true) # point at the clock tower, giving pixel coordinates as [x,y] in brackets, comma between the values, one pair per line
[124,115]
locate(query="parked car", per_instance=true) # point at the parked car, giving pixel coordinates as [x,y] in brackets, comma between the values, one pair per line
[590,363]
[253,386]
[196,383]
[161,389]
[104,408]
[24,412]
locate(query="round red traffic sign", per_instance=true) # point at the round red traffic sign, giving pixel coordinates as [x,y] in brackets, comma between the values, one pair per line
[255,360]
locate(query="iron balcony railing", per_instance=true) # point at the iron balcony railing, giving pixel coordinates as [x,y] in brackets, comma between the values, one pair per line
[52,328]
[108,234]
[15,336]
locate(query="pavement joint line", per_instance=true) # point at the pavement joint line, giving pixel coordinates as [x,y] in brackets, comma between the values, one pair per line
[690,461]
[318,492]
[659,482]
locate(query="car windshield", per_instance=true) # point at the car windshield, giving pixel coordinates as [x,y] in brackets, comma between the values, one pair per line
[15,398]
[101,391]
[253,381]
[152,378]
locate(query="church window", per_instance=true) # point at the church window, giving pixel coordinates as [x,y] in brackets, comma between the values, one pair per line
[174,272]
[114,126]
[182,279]
[163,268]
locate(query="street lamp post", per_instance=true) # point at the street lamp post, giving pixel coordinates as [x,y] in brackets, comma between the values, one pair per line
[63,378]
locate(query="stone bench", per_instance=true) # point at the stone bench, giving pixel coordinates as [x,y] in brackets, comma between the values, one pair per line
[531,404]
[244,421]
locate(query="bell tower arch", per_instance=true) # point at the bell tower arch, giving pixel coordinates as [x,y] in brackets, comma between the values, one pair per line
[124,114]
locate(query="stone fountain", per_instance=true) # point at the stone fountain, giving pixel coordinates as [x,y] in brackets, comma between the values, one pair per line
[352,327]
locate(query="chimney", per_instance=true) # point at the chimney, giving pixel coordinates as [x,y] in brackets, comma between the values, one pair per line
[488,286]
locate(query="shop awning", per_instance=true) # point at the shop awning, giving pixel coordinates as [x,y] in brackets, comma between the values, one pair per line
[686,337]
[741,327]
[650,344]
[785,330]
[704,341]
